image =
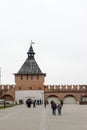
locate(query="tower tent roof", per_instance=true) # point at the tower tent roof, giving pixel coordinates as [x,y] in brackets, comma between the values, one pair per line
[30,66]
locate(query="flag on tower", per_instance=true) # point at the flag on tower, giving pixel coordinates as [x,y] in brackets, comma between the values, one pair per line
[32,42]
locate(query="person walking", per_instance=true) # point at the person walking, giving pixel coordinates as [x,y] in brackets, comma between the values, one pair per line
[61,102]
[29,102]
[34,103]
[45,103]
[59,108]
[54,107]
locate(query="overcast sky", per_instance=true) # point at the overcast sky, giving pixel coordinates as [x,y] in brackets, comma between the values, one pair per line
[59,30]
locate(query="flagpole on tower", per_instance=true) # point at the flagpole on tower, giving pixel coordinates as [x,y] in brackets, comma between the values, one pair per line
[31,43]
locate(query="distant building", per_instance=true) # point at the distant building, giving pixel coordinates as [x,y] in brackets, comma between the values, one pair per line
[29,79]
[29,83]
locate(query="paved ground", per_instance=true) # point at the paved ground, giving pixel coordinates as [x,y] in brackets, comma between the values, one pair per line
[74,117]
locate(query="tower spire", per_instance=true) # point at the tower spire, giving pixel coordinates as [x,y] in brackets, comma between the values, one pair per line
[31,52]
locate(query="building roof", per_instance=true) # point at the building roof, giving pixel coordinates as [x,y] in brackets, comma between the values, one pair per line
[30,66]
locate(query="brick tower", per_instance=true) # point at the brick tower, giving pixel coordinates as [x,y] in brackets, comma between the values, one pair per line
[29,79]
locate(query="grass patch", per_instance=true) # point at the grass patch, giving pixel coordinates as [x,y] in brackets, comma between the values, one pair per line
[7,106]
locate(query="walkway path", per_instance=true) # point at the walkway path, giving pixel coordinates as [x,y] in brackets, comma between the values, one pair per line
[74,117]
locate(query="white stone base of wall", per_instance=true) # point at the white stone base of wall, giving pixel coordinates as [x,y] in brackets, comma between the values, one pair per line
[26,94]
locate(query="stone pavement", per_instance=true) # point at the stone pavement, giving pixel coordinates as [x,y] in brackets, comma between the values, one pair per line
[74,117]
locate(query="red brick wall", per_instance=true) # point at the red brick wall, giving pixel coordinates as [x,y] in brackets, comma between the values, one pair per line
[30,82]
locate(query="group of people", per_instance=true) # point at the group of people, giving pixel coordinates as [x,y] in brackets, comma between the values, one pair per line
[29,102]
[54,106]
[57,107]
[33,102]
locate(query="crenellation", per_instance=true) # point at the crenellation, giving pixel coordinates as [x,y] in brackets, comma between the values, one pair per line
[57,87]
[51,87]
[65,87]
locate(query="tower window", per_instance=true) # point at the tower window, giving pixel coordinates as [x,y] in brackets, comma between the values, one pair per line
[21,77]
[27,77]
[19,87]
[31,77]
[30,87]
[37,76]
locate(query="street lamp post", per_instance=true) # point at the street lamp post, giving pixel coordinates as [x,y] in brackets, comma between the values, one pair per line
[4,103]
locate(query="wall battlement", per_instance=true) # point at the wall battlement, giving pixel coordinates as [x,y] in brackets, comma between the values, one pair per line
[7,92]
[65,88]
[60,91]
